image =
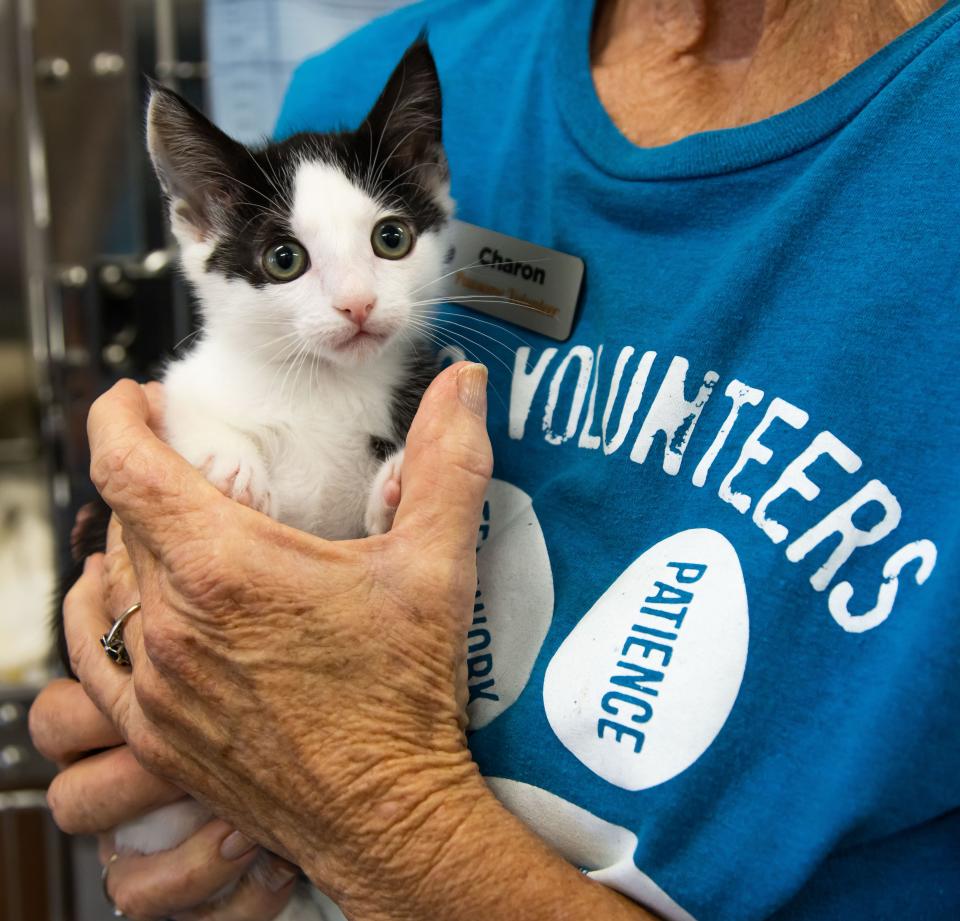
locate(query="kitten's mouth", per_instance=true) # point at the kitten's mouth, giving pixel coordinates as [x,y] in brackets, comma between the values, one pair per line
[360,341]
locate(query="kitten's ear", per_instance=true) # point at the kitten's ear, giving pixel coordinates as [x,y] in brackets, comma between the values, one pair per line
[193,160]
[405,122]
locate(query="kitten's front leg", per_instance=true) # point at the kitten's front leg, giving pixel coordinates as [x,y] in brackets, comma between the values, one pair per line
[228,458]
[384,496]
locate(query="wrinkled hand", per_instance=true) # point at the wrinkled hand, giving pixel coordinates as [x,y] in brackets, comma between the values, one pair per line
[310,692]
[93,793]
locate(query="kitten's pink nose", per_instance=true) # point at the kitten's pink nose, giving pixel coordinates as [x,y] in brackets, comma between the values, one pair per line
[357,308]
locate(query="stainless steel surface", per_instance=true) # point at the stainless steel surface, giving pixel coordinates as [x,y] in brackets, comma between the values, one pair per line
[92,145]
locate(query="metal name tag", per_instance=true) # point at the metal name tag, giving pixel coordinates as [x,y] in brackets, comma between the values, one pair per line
[510,279]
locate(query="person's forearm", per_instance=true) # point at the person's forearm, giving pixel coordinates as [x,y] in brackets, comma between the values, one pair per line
[463,857]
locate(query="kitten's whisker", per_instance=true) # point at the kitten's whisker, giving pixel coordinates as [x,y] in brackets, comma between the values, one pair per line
[263,172]
[441,344]
[231,178]
[463,268]
[476,358]
[303,364]
[276,179]
[389,118]
[254,217]
[419,123]
[189,335]
[366,176]
[432,339]
[447,322]
[259,209]
[479,345]
[468,299]
[457,298]
[272,178]
[395,202]
[392,191]
[384,195]
[426,331]
[407,335]
[292,364]
[260,214]
[475,319]
[283,361]
[266,345]
[389,157]
[433,281]
[314,368]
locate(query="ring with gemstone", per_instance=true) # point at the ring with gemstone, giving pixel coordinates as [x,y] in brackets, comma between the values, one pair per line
[112,642]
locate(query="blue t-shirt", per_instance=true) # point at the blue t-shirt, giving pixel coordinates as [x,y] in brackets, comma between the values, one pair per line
[714,658]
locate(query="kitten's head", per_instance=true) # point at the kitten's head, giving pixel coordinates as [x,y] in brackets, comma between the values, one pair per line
[317,243]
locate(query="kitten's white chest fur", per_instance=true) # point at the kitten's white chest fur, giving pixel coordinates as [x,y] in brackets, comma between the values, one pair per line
[300,439]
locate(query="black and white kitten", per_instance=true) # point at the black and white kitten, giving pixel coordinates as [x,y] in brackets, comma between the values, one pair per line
[306,256]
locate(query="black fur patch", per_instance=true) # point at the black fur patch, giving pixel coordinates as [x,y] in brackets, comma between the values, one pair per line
[382,448]
[89,537]
[421,370]
[244,195]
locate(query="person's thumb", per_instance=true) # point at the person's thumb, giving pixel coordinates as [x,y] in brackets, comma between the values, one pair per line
[448,461]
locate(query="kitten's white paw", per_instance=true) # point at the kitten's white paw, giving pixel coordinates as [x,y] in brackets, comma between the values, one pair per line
[241,476]
[384,496]
[229,460]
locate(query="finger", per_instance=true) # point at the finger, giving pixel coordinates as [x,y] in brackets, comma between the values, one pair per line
[114,533]
[65,723]
[158,496]
[260,896]
[85,620]
[169,882]
[448,460]
[105,790]
[123,585]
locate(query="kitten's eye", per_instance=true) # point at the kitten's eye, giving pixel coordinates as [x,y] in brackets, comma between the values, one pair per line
[392,238]
[285,261]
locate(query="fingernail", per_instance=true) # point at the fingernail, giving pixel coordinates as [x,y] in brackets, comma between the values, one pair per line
[472,388]
[278,876]
[235,845]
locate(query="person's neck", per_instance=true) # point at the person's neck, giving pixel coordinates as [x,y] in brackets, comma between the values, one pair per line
[664,69]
